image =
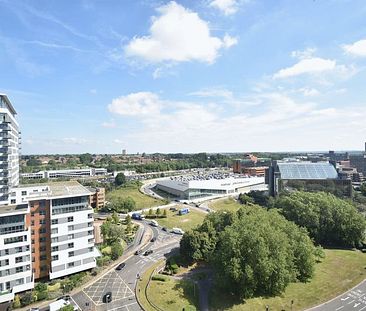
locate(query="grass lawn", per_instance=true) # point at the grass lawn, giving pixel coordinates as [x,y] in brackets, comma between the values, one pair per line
[142,200]
[171,295]
[340,271]
[185,222]
[228,204]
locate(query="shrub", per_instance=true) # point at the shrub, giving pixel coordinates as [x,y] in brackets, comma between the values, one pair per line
[42,295]
[16,302]
[26,299]
[159,277]
[41,287]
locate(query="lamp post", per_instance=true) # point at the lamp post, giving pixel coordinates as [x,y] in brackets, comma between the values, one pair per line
[292,302]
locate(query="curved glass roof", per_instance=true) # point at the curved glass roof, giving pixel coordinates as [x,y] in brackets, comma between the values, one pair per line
[307,170]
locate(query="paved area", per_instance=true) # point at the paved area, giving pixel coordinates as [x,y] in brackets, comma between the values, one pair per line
[111,282]
[354,299]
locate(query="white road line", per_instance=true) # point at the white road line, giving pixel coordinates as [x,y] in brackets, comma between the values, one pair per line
[362,308]
[339,308]
[351,301]
[125,306]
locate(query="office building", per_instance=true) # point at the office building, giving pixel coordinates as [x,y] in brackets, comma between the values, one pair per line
[319,176]
[67,173]
[242,166]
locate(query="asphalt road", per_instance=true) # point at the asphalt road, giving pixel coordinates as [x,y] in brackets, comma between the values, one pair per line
[122,283]
[353,300]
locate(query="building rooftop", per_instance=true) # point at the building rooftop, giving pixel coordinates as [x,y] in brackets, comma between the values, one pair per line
[307,170]
[5,209]
[58,189]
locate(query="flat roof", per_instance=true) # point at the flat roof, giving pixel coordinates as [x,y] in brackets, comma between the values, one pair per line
[9,209]
[307,170]
[59,189]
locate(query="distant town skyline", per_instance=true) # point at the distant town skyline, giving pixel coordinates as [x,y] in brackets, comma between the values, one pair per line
[185,76]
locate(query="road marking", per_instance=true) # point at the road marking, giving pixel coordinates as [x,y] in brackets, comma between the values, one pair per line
[362,308]
[356,304]
[351,301]
[339,308]
[343,299]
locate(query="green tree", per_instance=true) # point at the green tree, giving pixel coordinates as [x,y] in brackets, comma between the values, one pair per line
[86,158]
[158,212]
[67,308]
[16,302]
[150,212]
[245,199]
[363,188]
[111,232]
[165,213]
[115,218]
[120,179]
[117,250]
[328,219]
[128,220]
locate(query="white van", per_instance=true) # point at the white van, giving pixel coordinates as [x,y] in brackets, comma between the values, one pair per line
[177,231]
[154,223]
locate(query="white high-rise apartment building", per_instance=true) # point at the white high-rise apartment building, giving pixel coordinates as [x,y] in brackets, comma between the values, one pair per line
[46,230]
[9,149]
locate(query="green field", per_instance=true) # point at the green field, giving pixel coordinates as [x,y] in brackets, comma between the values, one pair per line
[340,271]
[171,295]
[142,200]
[185,222]
[228,204]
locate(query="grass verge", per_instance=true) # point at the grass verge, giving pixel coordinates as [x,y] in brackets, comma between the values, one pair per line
[185,222]
[228,204]
[132,190]
[340,271]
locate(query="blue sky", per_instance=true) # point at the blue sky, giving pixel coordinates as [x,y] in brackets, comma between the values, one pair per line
[185,76]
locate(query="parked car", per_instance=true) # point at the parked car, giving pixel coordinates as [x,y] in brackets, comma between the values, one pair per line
[178,231]
[138,252]
[148,252]
[120,266]
[164,229]
[107,297]
[153,239]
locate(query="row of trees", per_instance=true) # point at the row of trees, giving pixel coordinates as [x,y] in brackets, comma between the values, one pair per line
[328,219]
[253,252]
[113,234]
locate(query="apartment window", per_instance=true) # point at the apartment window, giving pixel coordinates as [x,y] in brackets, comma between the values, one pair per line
[54,221]
[43,268]
[27,267]
[71,254]
[7,272]
[19,269]
[42,213]
[42,239]
[18,249]
[4,263]
[7,285]
[70,219]
[43,257]
[70,237]
[54,257]
[70,228]
[32,241]
[90,232]
[90,240]
[32,223]
[54,248]
[33,259]
[42,204]
[70,264]
[24,192]
[32,232]
[70,245]
[90,216]
[42,248]
[90,224]
[18,259]
[42,230]
[32,213]
[12,201]
[54,231]
[19,281]
[90,249]
[42,221]
[15,239]
[7,251]
[27,248]
[54,240]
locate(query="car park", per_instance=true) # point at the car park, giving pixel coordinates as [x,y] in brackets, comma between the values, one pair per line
[120,266]
[107,297]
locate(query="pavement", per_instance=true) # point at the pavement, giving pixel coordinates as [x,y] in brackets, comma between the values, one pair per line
[122,283]
[353,300]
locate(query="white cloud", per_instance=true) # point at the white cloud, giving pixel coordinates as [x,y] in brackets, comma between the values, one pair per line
[357,49]
[74,141]
[213,92]
[118,141]
[307,53]
[309,91]
[312,65]
[227,7]
[110,124]
[178,35]
[136,104]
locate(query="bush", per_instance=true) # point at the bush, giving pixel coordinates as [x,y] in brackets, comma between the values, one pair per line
[159,277]
[26,299]
[41,287]
[42,295]
[117,250]
[16,302]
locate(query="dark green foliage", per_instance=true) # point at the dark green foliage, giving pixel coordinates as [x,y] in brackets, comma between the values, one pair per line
[86,158]
[261,198]
[67,308]
[122,205]
[245,199]
[120,179]
[159,277]
[117,250]
[26,299]
[42,295]
[254,251]
[328,219]
[41,287]
[111,232]
[363,189]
